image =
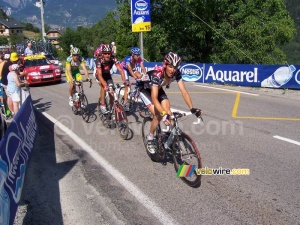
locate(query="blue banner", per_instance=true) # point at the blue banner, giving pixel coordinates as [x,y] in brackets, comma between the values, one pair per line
[140,15]
[15,151]
[274,76]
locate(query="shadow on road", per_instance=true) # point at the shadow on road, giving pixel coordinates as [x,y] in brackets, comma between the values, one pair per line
[41,188]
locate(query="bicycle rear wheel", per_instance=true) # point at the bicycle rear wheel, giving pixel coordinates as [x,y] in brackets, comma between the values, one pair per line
[145,131]
[84,105]
[121,121]
[186,159]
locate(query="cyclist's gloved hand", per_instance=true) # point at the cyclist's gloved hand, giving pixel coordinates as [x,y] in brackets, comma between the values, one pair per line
[165,118]
[126,83]
[197,112]
[88,79]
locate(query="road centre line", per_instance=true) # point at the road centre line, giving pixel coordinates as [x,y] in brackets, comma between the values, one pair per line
[146,201]
[287,140]
[246,93]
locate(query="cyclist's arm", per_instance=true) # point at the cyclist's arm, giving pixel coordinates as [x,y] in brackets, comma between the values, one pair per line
[86,73]
[154,97]
[143,67]
[69,74]
[186,96]
[131,70]
[100,77]
[121,71]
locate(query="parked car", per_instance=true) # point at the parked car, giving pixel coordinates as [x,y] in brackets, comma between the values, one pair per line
[55,61]
[40,70]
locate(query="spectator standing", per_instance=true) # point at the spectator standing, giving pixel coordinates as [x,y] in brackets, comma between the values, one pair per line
[28,50]
[114,49]
[13,89]
[5,59]
[14,58]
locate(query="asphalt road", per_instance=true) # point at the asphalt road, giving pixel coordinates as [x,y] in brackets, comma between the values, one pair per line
[91,176]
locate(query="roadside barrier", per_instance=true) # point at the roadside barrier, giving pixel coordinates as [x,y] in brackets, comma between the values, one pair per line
[272,76]
[15,152]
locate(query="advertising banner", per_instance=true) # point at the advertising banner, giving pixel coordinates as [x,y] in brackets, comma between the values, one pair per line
[274,76]
[140,15]
[15,151]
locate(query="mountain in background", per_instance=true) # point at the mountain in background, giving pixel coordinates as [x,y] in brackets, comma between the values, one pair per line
[59,13]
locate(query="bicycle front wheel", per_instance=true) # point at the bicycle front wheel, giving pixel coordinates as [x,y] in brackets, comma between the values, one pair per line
[121,95]
[121,121]
[84,105]
[186,160]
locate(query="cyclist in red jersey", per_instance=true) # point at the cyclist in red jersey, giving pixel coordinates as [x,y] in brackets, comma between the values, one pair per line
[155,98]
[103,74]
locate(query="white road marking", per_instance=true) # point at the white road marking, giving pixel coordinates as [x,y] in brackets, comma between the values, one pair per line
[146,201]
[223,89]
[287,140]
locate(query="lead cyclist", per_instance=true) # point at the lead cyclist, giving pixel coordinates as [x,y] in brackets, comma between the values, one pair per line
[74,61]
[155,98]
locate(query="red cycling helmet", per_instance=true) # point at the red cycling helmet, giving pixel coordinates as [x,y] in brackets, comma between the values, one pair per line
[172,59]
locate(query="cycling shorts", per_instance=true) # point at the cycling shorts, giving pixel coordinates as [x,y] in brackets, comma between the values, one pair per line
[77,77]
[145,95]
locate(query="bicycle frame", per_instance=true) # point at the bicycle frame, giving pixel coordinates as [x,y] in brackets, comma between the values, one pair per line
[80,92]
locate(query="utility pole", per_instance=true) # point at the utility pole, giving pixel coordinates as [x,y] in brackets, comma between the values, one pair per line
[40,4]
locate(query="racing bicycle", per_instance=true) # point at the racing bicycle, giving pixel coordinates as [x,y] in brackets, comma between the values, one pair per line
[133,95]
[176,143]
[116,115]
[80,101]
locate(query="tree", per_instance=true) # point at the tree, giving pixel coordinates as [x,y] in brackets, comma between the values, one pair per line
[3,41]
[224,31]
[16,39]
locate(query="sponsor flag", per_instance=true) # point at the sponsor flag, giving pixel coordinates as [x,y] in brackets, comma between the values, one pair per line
[140,15]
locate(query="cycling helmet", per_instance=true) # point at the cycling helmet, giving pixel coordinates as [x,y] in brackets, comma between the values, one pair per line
[98,50]
[105,48]
[172,59]
[136,51]
[75,51]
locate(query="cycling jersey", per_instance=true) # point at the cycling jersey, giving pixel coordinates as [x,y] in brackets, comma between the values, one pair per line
[74,65]
[129,60]
[101,64]
[157,78]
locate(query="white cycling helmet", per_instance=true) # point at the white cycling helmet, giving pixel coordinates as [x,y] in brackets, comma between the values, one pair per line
[75,51]
[172,59]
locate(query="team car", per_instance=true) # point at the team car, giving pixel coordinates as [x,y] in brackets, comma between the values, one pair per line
[40,70]
[55,61]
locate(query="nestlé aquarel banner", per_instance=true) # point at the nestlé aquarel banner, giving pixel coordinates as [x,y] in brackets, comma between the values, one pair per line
[275,76]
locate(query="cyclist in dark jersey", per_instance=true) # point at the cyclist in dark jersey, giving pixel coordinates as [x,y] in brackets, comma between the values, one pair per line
[155,98]
[103,74]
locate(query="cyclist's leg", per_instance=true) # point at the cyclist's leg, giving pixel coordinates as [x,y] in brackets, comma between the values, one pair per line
[110,82]
[71,89]
[164,101]
[137,74]
[145,96]
[126,87]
